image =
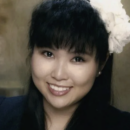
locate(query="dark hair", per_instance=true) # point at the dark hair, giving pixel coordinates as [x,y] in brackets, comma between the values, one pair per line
[76,25]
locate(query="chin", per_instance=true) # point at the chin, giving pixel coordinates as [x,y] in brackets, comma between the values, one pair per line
[58,103]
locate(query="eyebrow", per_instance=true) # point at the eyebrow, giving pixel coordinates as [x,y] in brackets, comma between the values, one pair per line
[80,53]
[72,51]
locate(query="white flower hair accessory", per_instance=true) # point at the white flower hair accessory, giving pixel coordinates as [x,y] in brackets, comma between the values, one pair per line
[116,21]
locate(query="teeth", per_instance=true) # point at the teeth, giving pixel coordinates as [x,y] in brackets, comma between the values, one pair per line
[58,88]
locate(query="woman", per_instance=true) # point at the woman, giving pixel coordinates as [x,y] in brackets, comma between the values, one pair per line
[69,49]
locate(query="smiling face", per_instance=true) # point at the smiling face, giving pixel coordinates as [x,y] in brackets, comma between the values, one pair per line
[63,77]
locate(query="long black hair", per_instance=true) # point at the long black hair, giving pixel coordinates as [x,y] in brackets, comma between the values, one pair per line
[73,24]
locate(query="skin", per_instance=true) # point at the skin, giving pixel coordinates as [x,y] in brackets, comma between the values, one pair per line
[62,68]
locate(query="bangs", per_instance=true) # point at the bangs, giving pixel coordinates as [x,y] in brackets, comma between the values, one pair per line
[74,25]
[56,36]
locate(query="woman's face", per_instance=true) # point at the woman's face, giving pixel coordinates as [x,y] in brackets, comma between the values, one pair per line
[63,77]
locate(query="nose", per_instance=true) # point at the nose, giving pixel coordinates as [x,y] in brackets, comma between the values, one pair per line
[60,72]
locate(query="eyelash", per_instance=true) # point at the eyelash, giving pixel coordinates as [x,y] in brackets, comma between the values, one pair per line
[52,54]
[45,52]
[80,58]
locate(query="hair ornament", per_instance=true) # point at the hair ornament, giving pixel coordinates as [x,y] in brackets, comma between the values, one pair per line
[116,21]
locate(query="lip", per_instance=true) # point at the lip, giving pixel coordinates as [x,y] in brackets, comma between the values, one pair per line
[58,93]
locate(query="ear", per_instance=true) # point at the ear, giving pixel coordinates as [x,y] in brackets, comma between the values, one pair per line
[103,64]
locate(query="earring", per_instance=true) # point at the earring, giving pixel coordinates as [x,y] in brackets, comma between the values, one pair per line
[99,73]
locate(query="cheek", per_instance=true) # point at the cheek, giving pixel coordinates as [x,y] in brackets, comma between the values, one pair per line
[84,75]
[83,80]
[39,67]
[40,70]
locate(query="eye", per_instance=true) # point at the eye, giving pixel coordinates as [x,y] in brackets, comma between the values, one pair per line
[79,59]
[47,54]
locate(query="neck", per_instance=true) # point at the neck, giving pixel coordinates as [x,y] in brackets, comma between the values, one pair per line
[58,118]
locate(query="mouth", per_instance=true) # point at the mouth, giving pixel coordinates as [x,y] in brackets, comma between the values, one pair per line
[58,90]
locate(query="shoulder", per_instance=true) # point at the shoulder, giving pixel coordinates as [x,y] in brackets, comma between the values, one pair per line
[116,119]
[11,110]
[11,104]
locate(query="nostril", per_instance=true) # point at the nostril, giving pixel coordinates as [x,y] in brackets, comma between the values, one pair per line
[59,71]
[59,75]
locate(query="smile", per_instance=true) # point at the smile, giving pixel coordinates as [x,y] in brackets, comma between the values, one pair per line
[58,88]
[58,91]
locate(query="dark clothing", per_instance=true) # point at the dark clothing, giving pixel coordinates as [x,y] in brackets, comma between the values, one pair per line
[11,110]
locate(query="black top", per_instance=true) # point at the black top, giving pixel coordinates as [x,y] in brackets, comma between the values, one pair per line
[11,110]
